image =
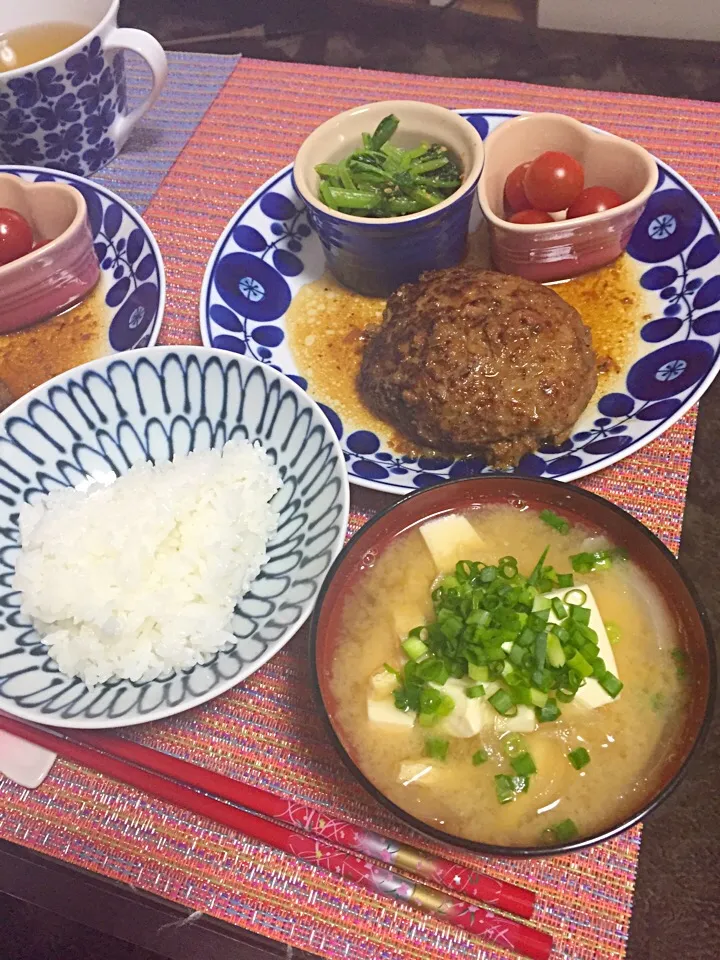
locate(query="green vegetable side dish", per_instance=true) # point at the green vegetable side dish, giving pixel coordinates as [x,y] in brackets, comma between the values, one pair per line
[382,180]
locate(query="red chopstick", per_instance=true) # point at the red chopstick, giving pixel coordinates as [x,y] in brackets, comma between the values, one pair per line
[87,749]
[445,873]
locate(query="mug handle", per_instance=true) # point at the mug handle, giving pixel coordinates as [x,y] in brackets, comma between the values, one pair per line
[146,46]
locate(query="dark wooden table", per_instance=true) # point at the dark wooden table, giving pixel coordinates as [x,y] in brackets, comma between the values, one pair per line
[675,916]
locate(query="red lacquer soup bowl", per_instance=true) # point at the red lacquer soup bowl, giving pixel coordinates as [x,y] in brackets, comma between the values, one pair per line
[578,506]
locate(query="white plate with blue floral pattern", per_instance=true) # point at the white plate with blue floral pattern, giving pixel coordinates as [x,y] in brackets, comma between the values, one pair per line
[132,275]
[268,253]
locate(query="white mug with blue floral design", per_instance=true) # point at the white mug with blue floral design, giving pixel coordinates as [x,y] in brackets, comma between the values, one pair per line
[70,110]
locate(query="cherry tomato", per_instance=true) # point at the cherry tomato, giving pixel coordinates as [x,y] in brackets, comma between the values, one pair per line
[553,181]
[531,216]
[515,191]
[15,236]
[594,200]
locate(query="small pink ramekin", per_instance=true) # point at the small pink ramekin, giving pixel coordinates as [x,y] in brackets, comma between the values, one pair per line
[565,248]
[57,275]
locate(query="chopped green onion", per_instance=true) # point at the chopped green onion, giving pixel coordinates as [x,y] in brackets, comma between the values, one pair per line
[564,831]
[392,670]
[680,658]
[504,788]
[555,652]
[611,684]
[414,648]
[503,703]
[513,745]
[579,758]
[526,638]
[523,765]
[657,702]
[590,651]
[538,698]
[478,690]
[436,748]
[598,560]
[579,663]
[580,616]
[538,568]
[479,618]
[555,521]
[540,650]
[575,597]
[428,719]
[432,670]
[613,632]
[480,756]
[434,701]
[541,603]
[559,608]
[548,713]
[599,668]
[477,672]
[565,580]
[586,632]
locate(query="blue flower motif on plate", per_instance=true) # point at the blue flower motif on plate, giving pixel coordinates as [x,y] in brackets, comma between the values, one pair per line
[675,249]
[132,271]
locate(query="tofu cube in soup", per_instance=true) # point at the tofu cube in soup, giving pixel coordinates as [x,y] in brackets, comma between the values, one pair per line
[382,684]
[450,539]
[523,722]
[591,694]
[406,616]
[416,771]
[386,714]
[469,716]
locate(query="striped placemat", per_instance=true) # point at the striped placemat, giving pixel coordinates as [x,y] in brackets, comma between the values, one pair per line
[153,146]
[267,732]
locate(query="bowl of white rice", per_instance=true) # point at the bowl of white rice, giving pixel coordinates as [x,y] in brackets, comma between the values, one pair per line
[166,520]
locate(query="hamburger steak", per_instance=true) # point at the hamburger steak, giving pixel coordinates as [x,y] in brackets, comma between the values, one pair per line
[473,362]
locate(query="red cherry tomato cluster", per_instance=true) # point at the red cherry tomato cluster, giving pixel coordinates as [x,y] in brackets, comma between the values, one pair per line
[16,239]
[550,183]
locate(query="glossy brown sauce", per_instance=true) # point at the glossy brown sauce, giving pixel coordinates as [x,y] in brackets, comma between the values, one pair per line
[31,356]
[612,303]
[326,322]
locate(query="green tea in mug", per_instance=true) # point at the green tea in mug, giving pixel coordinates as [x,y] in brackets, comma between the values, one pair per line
[28,45]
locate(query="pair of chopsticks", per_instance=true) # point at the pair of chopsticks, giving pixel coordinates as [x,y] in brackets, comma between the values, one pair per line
[220,798]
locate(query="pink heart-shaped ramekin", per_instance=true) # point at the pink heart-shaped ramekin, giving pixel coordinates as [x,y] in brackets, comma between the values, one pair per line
[565,248]
[57,275]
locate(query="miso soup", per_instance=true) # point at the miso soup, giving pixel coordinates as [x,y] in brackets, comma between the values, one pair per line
[508,677]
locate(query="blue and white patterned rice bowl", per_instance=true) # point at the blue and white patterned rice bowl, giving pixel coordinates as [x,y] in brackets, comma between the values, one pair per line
[155,404]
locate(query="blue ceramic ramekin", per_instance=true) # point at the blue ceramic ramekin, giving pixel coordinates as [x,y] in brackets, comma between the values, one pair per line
[374,256]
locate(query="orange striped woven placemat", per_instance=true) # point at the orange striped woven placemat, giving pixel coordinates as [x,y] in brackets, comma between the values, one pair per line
[267,731]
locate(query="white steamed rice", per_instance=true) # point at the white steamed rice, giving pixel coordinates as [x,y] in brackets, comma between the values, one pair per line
[135,577]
